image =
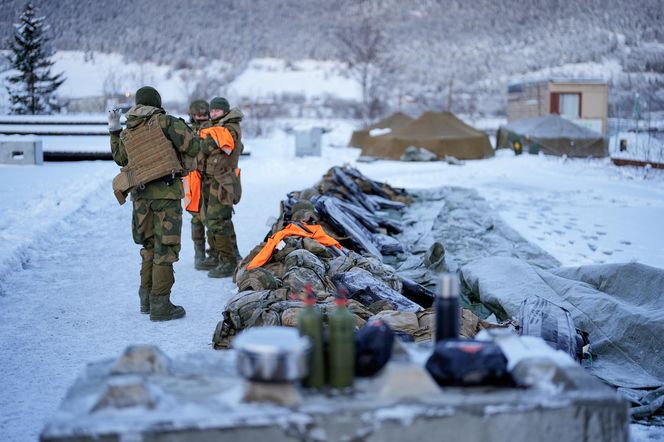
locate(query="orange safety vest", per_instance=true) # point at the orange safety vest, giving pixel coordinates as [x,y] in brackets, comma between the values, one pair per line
[221,136]
[193,191]
[315,232]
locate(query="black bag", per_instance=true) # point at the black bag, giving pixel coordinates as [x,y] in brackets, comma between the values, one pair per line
[463,362]
[373,348]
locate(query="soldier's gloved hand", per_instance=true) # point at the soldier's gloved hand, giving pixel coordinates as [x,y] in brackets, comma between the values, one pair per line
[114,120]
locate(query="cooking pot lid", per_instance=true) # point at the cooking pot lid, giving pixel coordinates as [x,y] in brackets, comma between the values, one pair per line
[271,340]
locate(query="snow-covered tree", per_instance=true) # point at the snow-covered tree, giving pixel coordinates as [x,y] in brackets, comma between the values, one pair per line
[32,87]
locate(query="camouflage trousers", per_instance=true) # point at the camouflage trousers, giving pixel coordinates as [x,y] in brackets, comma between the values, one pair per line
[219,220]
[157,225]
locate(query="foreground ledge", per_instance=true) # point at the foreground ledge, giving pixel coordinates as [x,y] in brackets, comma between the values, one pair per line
[146,396]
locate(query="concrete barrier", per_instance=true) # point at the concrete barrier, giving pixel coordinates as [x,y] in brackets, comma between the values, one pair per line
[21,150]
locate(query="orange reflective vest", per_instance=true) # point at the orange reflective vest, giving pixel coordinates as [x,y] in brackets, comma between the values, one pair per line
[221,136]
[193,191]
[315,232]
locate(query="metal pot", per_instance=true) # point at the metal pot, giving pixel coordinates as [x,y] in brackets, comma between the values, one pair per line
[272,354]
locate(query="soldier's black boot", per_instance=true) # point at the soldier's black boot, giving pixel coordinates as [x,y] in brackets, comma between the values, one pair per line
[223,270]
[211,261]
[227,260]
[144,295]
[161,308]
[201,262]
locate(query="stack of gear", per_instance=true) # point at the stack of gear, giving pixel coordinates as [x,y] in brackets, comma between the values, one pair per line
[335,236]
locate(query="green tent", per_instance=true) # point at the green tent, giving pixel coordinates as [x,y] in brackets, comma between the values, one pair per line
[396,120]
[552,135]
[439,132]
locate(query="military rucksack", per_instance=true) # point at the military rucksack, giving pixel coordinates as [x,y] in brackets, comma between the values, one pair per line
[258,279]
[306,259]
[247,309]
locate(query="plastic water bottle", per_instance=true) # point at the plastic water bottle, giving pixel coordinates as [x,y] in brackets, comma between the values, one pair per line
[447,308]
[341,367]
[310,324]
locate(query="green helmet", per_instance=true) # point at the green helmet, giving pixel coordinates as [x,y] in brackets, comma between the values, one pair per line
[220,103]
[148,96]
[304,210]
[199,107]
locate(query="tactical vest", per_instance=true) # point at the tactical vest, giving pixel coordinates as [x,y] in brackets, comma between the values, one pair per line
[151,156]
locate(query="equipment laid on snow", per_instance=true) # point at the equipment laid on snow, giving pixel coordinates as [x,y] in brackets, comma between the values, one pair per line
[345,233]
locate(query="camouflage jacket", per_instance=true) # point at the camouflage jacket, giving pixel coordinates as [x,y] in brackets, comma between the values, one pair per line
[217,162]
[176,130]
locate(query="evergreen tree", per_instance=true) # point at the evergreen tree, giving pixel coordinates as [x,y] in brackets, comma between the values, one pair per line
[32,89]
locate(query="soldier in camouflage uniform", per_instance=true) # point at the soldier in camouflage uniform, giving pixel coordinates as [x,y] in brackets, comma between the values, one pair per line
[199,114]
[222,177]
[157,206]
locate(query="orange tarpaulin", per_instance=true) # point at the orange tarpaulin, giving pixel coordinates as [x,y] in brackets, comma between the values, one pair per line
[306,231]
[221,136]
[193,192]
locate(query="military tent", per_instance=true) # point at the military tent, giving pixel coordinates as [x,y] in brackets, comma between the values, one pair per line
[552,135]
[392,122]
[439,132]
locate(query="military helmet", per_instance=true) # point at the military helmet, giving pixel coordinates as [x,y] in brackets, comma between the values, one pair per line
[220,103]
[148,96]
[303,210]
[199,107]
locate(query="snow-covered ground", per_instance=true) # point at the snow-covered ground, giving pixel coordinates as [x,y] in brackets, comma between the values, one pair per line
[69,268]
[641,146]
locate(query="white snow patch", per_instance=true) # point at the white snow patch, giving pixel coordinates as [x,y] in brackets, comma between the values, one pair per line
[645,433]
[379,132]
[266,77]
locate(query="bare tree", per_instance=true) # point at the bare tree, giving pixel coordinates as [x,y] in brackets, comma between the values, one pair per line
[363,47]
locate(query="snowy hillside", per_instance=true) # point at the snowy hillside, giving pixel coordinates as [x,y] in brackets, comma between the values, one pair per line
[111,76]
[477,47]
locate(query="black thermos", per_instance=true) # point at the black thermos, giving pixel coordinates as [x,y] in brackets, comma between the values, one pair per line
[447,308]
